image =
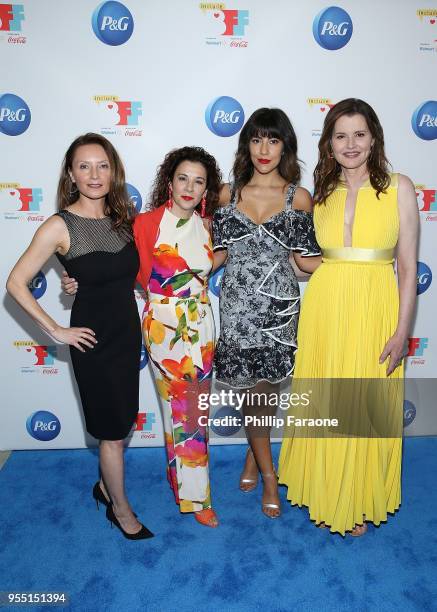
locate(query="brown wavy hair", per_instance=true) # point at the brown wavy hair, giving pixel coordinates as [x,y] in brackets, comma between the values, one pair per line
[117,204]
[266,123]
[166,170]
[328,170]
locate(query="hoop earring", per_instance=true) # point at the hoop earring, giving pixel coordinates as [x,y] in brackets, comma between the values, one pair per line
[203,206]
[71,193]
[169,203]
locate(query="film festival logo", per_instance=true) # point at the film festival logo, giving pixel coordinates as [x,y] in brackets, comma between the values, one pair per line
[319,109]
[226,27]
[122,117]
[21,203]
[39,359]
[426,202]
[428,31]
[143,427]
[416,350]
[11,21]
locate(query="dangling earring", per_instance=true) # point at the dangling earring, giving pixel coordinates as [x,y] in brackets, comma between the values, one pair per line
[169,202]
[203,206]
[71,193]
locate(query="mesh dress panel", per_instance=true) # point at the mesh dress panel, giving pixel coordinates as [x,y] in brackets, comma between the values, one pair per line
[93,235]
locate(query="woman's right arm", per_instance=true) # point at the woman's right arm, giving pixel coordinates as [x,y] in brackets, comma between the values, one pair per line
[50,238]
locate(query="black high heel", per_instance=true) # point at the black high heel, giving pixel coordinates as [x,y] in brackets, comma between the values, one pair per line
[142,534]
[99,496]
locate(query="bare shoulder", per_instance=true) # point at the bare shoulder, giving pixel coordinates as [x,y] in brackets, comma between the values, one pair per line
[225,194]
[302,200]
[407,199]
[405,184]
[54,226]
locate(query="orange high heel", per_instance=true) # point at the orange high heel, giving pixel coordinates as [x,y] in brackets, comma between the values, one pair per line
[207,517]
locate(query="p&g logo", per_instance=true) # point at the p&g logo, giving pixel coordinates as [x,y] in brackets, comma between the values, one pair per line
[224,116]
[424,120]
[134,197]
[409,412]
[215,281]
[112,23]
[43,425]
[144,359]
[424,277]
[332,28]
[14,115]
[38,285]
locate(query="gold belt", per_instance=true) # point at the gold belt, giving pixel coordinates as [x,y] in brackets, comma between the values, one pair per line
[351,254]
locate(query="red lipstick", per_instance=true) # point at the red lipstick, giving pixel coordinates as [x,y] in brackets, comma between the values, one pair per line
[187,198]
[264,161]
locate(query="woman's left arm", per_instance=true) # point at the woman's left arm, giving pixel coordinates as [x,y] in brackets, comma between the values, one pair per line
[396,346]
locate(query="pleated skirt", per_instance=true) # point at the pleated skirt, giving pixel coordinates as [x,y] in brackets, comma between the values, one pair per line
[349,312]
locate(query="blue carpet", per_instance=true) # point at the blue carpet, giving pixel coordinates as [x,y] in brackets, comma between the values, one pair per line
[54,539]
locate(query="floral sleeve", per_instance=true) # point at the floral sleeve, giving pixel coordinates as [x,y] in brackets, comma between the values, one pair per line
[303,236]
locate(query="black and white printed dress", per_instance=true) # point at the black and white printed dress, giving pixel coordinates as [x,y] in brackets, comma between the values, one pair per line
[259,295]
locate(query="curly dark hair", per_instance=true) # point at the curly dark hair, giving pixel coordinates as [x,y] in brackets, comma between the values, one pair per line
[270,123]
[328,170]
[117,204]
[166,171]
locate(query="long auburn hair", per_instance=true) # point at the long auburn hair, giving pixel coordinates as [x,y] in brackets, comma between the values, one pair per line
[117,204]
[167,169]
[328,170]
[269,123]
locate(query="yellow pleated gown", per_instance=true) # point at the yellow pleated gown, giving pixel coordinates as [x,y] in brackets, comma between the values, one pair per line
[349,311]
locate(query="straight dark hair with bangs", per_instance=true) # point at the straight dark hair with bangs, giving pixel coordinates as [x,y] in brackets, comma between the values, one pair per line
[270,123]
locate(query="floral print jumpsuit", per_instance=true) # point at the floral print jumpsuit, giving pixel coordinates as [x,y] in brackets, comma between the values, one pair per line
[179,333]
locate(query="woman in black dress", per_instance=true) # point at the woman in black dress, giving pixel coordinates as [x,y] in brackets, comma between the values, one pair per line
[92,237]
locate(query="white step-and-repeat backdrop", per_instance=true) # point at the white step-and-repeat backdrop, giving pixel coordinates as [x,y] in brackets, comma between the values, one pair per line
[158,74]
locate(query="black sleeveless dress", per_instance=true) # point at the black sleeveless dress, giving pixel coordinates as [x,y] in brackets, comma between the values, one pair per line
[105,263]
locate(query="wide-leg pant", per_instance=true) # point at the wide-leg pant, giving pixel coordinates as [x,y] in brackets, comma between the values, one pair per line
[179,334]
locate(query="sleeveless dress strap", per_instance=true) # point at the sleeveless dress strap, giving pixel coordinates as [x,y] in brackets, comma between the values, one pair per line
[290,196]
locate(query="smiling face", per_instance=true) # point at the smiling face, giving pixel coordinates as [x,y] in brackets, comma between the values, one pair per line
[188,187]
[265,153]
[351,141]
[91,171]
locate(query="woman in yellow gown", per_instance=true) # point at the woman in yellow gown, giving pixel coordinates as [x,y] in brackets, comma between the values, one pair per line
[354,321]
